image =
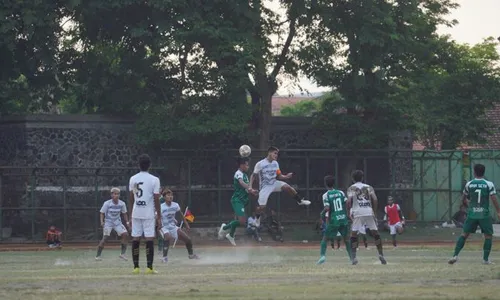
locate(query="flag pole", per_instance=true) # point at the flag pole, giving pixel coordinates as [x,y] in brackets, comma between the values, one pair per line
[182,223]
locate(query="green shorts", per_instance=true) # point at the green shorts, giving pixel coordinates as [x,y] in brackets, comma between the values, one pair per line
[331,231]
[238,208]
[486,225]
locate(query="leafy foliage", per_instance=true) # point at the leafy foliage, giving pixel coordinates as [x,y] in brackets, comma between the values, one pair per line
[304,108]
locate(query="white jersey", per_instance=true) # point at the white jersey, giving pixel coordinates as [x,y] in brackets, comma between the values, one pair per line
[361,201]
[112,212]
[168,214]
[267,172]
[144,186]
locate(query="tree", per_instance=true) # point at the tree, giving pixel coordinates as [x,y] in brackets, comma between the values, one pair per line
[360,48]
[304,108]
[453,91]
[29,55]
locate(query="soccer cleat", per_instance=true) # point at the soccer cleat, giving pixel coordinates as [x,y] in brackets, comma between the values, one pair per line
[453,260]
[193,256]
[150,271]
[136,271]
[164,259]
[98,258]
[222,231]
[259,239]
[382,260]
[123,257]
[354,261]
[230,239]
[304,202]
[321,260]
[487,262]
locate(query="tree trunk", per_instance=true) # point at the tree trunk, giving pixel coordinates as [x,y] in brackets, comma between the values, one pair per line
[265,118]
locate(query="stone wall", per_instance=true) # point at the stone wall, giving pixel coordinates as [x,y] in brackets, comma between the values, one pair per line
[80,157]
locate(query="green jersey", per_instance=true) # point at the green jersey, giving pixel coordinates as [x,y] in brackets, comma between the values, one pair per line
[336,201]
[240,193]
[478,191]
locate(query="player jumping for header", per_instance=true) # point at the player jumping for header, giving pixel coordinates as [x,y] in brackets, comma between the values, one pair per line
[334,202]
[110,220]
[268,171]
[170,231]
[476,196]
[362,203]
[144,200]
[239,200]
[395,219]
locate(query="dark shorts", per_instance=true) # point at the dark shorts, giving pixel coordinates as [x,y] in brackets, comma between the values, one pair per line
[238,208]
[486,225]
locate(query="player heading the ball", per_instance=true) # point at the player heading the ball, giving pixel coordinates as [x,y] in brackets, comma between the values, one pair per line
[269,173]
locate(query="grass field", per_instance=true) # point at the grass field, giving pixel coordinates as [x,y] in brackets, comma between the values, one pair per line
[251,273]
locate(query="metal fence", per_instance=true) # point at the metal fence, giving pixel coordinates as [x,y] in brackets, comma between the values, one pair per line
[426,184]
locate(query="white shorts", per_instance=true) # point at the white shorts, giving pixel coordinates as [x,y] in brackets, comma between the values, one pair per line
[119,229]
[362,230]
[394,228]
[266,191]
[143,226]
[359,223]
[172,231]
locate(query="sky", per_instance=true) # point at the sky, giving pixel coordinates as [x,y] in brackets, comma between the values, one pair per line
[477,19]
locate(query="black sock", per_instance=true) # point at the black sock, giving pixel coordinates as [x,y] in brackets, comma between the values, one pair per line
[189,247]
[354,246]
[338,243]
[99,250]
[124,248]
[150,252]
[166,245]
[394,240]
[297,197]
[135,253]
[365,241]
[378,243]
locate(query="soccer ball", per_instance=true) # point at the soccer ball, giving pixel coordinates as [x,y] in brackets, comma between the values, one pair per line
[245,150]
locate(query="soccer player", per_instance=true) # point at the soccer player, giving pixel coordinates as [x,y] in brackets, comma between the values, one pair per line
[334,202]
[476,196]
[239,200]
[145,203]
[169,230]
[270,175]
[362,203]
[395,219]
[111,220]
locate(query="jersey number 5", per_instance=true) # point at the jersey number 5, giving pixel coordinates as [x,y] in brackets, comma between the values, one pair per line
[138,190]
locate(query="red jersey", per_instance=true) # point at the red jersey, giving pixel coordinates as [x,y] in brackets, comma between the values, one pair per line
[392,212]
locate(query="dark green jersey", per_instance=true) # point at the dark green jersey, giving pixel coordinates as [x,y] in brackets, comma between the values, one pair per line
[478,191]
[240,193]
[336,201]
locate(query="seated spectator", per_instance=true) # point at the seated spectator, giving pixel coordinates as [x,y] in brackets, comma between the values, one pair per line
[460,216]
[54,237]
[253,228]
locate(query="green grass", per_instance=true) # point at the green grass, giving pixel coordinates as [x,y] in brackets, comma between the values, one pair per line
[251,273]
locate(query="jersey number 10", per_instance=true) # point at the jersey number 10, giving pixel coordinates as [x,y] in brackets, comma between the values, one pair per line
[337,204]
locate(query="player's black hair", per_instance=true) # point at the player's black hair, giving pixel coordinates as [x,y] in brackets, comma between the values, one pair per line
[479,170]
[272,148]
[144,162]
[358,175]
[329,181]
[242,160]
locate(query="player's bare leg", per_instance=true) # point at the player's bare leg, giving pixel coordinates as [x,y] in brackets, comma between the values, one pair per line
[458,247]
[187,241]
[167,240]
[100,247]
[378,244]
[292,192]
[124,242]
[488,241]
